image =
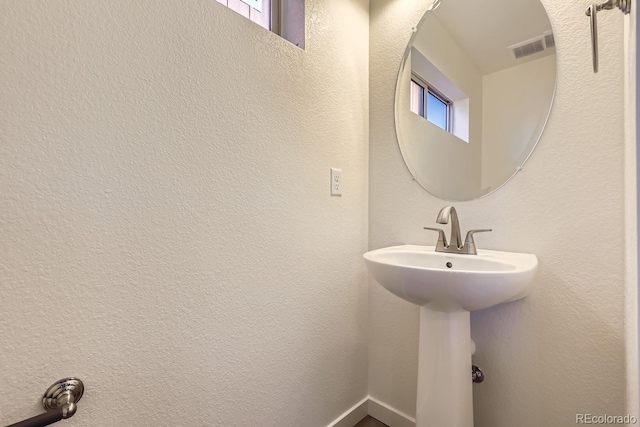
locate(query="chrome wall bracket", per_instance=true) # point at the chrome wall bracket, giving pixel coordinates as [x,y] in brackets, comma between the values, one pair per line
[59,402]
[592,13]
[63,394]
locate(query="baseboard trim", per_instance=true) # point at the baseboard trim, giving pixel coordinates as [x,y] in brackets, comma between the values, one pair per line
[353,415]
[388,415]
[378,410]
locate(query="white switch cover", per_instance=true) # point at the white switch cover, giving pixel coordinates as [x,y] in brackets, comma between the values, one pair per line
[336,182]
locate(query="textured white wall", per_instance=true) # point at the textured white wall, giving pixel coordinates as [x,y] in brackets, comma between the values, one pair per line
[561,350]
[165,216]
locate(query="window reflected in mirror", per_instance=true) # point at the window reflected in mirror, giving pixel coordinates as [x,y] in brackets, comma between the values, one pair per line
[429,103]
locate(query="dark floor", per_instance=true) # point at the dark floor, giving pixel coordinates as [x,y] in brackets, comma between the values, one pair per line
[370,422]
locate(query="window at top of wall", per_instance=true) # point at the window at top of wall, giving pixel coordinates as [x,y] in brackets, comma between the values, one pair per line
[262,12]
[282,17]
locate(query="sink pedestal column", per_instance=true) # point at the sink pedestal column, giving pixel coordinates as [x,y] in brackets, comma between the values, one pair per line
[444,370]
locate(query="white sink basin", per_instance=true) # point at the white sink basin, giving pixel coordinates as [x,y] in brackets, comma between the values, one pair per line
[422,276]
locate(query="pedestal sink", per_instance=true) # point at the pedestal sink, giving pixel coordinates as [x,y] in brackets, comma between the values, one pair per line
[447,287]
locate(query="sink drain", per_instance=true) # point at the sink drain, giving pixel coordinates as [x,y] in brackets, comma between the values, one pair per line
[449,265]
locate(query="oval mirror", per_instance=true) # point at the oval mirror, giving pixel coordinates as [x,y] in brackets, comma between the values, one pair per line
[474,93]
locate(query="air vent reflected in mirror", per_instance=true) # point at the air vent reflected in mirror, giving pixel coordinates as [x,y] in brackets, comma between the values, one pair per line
[532,46]
[549,40]
[527,48]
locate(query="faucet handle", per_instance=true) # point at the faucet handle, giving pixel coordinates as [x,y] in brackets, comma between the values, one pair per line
[442,239]
[469,244]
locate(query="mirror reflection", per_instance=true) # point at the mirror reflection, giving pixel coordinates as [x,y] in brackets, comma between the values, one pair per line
[474,93]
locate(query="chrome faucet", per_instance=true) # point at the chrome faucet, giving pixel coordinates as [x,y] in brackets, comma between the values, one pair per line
[455,246]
